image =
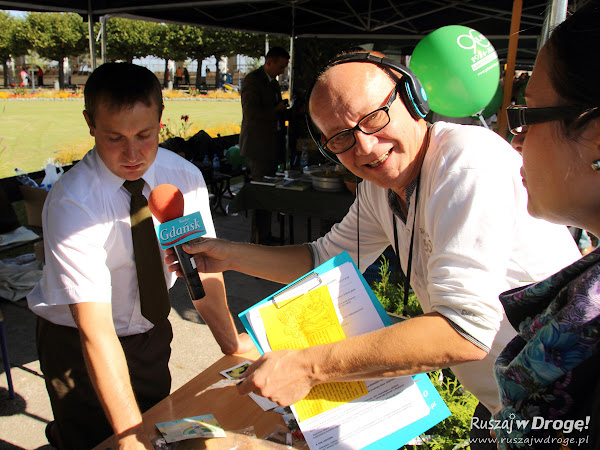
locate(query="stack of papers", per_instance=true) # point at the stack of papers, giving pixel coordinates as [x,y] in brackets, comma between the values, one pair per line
[329,304]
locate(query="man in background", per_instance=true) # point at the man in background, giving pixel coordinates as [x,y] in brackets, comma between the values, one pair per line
[40,77]
[178,76]
[262,137]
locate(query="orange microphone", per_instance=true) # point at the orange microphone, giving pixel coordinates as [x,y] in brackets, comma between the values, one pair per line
[166,204]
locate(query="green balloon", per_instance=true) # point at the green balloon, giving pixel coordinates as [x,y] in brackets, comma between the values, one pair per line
[494,104]
[234,157]
[458,68]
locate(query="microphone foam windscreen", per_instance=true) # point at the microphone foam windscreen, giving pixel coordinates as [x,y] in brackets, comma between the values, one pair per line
[166,202]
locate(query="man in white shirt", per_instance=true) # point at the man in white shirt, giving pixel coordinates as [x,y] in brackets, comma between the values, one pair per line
[458,190]
[103,361]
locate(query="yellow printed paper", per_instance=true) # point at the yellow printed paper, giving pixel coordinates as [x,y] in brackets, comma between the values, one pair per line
[303,322]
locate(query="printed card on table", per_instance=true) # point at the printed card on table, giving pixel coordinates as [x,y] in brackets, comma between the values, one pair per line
[235,372]
[205,426]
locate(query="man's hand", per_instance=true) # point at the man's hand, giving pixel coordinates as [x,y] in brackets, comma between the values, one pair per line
[211,255]
[282,377]
[282,105]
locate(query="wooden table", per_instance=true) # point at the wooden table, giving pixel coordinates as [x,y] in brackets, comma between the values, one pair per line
[233,412]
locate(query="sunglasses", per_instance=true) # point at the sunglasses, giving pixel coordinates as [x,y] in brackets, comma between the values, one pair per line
[520,117]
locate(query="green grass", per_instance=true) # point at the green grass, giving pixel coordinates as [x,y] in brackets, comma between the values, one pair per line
[34,131]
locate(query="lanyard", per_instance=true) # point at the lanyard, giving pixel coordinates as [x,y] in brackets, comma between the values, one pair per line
[406,286]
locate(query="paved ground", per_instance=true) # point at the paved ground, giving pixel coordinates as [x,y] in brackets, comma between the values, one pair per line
[23,420]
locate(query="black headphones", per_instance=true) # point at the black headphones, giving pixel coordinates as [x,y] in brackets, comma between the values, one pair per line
[409,88]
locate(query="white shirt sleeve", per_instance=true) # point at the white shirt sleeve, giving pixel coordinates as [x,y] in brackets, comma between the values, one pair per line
[74,235]
[470,217]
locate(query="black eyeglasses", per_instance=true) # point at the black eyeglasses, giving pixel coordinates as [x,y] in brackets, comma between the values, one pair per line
[520,117]
[370,124]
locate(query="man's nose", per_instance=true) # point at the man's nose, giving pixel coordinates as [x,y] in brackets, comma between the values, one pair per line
[364,142]
[131,151]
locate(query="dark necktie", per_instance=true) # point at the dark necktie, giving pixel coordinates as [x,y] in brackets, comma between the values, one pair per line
[154,296]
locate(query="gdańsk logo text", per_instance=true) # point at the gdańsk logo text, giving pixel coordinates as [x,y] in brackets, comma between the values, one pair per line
[180,230]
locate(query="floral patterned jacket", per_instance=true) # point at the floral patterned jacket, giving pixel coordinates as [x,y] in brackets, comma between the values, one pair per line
[548,375]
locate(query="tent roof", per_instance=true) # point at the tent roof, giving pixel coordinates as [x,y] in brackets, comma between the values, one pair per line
[376,19]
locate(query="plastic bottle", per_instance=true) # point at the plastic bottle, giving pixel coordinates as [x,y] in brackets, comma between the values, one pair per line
[24,179]
[53,173]
[304,156]
[216,164]
[206,161]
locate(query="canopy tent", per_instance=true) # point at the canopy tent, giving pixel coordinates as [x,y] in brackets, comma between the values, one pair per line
[404,22]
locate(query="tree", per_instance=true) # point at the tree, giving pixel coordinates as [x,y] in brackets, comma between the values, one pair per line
[127,39]
[219,43]
[177,42]
[230,43]
[6,37]
[54,36]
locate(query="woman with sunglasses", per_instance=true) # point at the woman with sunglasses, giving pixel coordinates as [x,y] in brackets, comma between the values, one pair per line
[548,374]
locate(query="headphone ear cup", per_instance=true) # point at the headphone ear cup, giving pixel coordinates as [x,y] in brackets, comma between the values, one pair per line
[419,97]
[413,109]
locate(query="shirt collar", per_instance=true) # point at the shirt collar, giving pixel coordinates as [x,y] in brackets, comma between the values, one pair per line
[394,203]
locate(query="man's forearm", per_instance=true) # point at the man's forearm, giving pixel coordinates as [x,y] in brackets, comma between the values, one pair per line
[417,345]
[108,371]
[214,311]
[107,366]
[280,264]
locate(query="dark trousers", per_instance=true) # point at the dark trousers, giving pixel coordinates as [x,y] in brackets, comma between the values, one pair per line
[80,419]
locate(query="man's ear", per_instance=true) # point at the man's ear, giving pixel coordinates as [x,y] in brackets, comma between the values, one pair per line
[88,120]
[161,112]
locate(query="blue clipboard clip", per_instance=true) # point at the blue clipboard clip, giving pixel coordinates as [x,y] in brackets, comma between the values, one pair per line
[304,285]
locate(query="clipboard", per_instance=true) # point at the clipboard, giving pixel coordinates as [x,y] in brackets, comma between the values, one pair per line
[429,400]
[308,281]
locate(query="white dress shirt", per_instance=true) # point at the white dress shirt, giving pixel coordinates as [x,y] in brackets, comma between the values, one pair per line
[87,239]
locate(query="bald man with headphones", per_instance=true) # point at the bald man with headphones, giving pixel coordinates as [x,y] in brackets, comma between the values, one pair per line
[449,198]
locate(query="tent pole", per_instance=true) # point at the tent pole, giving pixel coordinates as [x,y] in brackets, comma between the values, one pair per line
[91,36]
[103,20]
[509,75]
[289,153]
[556,12]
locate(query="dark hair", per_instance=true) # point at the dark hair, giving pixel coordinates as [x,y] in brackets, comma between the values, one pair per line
[120,85]
[277,52]
[574,63]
